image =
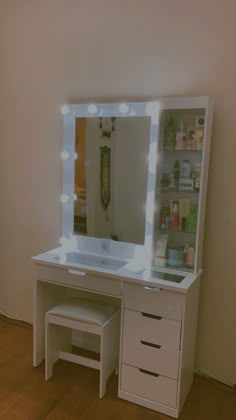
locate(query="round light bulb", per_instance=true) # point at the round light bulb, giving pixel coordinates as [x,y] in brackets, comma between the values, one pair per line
[65,109]
[62,240]
[123,108]
[65,155]
[92,109]
[65,198]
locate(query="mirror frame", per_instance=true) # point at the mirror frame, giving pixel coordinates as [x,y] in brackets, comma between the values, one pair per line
[95,110]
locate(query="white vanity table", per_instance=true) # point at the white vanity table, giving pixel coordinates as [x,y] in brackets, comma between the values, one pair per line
[159,305]
[158,326]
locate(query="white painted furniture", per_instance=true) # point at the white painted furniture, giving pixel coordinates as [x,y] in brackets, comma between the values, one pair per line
[159,305]
[157,329]
[158,341]
[102,319]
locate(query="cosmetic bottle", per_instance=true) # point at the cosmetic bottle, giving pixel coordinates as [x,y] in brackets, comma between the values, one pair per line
[180,137]
[170,135]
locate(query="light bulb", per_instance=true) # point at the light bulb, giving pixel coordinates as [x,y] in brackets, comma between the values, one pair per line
[65,155]
[75,197]
[92,109]
[75,156]
[123,108]
[65,198]
[65,109]
[62,240]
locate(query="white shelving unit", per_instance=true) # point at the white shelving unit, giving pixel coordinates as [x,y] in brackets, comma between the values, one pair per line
[177,171]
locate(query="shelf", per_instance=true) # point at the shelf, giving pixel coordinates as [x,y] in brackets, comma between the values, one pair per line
[174,231]
[180,151]
[177,191]
[171,269]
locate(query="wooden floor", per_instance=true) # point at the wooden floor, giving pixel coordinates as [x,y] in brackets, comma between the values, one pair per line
[72,393]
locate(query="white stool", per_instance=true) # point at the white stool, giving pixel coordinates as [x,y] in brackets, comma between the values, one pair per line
[93,317]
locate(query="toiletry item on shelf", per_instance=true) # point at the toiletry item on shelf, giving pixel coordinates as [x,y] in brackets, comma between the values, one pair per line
[160,254]
[170,135]
[199,132]
[184,204]
[180,137]
[174,212]
[165,213]
[186,169]
[192,218]
[176,171]
[172,184]
[165,181]
[186,182]
[190,139]
[197,176]
[175,257]
[200,122]
[190,256]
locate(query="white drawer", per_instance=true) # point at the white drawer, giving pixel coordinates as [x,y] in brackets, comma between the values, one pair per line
[80,279]
[151,328]
[145,384]
[154,301]
[146,355]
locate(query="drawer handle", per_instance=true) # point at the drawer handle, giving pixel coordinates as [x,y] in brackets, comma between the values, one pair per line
[147,372]
[146,343]
[155,289]
[151,316]
[77,273]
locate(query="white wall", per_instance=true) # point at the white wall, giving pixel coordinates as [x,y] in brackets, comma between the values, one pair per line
[59,51]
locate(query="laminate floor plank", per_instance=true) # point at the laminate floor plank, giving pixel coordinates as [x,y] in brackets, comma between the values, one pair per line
[72,392]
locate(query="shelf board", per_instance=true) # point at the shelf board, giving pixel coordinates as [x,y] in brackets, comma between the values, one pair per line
[177,191]
[171,269]
[174,231]
[180,151]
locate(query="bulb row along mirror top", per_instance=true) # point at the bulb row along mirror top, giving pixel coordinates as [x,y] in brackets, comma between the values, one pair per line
[113,185]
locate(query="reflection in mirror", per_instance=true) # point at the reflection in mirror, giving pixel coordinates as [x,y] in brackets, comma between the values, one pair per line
[111,174]
[109,189]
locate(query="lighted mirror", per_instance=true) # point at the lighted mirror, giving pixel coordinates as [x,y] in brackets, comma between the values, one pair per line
[109,170]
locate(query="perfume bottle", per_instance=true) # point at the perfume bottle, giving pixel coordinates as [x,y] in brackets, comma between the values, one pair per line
[192,218]
[176,171]
[190,256]
[170,135]
[197,176]
[180,137]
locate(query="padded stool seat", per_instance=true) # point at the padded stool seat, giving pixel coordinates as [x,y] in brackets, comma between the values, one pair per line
[100,318]
[84,310]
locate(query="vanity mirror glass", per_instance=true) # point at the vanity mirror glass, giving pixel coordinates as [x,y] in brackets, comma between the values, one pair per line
[109,170]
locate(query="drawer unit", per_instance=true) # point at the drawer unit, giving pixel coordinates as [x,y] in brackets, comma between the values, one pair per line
[149,385]
[82,280]
[151,328]
[153,301]
[149,356]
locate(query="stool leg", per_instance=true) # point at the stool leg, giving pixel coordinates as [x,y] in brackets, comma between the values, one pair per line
[57,339]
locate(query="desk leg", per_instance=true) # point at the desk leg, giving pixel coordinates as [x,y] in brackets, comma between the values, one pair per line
[45,296]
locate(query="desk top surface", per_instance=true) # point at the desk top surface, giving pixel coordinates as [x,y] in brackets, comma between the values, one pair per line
[130,271]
